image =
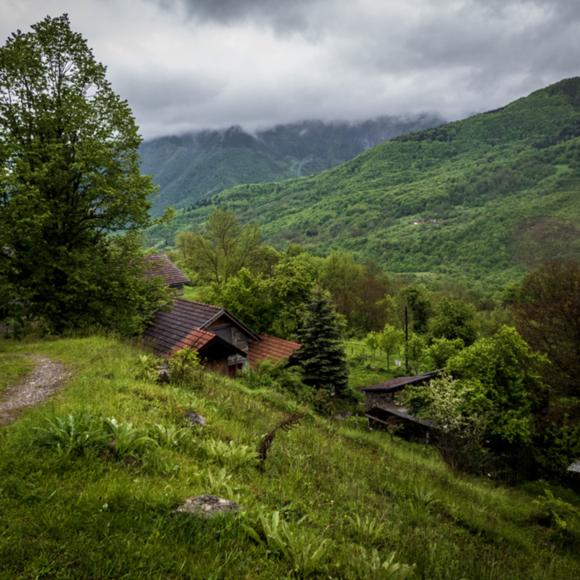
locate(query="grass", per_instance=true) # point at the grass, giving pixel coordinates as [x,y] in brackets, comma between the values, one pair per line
[13,367]
[334,500]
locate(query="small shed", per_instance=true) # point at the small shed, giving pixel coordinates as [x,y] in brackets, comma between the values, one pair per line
[382,411]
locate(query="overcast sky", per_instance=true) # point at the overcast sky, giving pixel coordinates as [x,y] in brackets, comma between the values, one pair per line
[189,64]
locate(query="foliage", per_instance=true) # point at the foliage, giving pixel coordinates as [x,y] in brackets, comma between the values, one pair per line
[547,312]
[415,353]
[371,565]
[367,529]
[441,350]
[416,300]
[222,249]
[509,374]
[321,354]
[126,440]
[454,319]
[184,367]
[554,512]
[147,367]
[390,340]
[69,179]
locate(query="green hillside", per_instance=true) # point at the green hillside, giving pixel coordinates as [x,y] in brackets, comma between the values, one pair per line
[191,167]
[334,500]
[484,198]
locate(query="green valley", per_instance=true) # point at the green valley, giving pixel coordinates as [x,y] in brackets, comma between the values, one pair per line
[482,199]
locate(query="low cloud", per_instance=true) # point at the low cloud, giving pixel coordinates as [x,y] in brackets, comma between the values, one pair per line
[191,64]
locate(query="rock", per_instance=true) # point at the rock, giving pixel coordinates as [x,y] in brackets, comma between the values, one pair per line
[207,506]
[195,419]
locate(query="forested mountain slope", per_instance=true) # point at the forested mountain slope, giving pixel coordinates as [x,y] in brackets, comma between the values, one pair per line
[190,167]
[483,198]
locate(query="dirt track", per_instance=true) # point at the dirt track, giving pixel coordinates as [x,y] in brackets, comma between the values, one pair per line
[47,377]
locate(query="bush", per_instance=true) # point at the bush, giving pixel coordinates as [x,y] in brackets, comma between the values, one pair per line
[554,513]
[147,368]
[184,367]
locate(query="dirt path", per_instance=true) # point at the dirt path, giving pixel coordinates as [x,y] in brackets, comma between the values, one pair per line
[47,378]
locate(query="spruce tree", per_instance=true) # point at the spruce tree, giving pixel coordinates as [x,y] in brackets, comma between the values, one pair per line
[321,355]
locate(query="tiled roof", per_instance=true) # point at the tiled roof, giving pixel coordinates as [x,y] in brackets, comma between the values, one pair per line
[180,327]
[272,348]
[159,265]
[399,383]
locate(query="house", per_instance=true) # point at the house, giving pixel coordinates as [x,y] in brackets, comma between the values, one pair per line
[222,340]
[382,409]
[160,266]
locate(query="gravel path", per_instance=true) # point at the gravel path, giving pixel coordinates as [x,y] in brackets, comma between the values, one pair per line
[47,378]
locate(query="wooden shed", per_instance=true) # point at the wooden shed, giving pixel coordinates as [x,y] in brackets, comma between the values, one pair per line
[382,410]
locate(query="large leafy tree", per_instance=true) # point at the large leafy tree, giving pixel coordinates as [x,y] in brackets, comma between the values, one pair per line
[70,184]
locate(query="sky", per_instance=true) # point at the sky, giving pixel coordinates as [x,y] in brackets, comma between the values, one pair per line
[185,65]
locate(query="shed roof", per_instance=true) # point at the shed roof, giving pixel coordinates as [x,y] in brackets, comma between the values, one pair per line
[574,467]
[399,383]
[272,348]
[401,413]
[160,266]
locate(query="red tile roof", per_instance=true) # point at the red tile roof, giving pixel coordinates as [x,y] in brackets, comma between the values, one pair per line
[159,265]
[272,348]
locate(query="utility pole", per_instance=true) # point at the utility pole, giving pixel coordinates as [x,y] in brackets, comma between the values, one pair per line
[406,340]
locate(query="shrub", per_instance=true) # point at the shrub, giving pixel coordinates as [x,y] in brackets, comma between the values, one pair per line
[369,565]
[271,375]
[184,367]
[147,368]
[553,512]
[169,436]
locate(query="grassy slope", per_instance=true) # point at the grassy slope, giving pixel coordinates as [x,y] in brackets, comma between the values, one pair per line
[94,517]
[483,198]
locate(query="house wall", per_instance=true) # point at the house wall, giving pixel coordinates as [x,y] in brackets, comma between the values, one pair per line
[225,329]
[377,400]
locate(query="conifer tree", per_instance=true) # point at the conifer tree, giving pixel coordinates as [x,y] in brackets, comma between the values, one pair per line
[321,355]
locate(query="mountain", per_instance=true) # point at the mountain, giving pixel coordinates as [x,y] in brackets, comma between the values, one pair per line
[190,167]
[484,198]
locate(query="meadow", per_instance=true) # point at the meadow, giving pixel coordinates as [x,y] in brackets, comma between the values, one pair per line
[334,500]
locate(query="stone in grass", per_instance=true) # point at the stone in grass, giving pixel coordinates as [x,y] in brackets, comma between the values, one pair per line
[207,506]
[195,419]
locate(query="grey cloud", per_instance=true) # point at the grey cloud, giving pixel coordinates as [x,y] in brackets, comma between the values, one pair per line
[190,64]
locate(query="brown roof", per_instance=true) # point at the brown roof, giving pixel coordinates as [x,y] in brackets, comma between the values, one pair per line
[399,383]
[180,326]
[272,348]
[160,266]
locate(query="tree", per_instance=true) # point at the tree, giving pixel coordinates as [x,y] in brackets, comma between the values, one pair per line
[321,355]
[222,249]
[390,339]
[441,350]
[547,313]
[69,179]
[418,303]
[454,319]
